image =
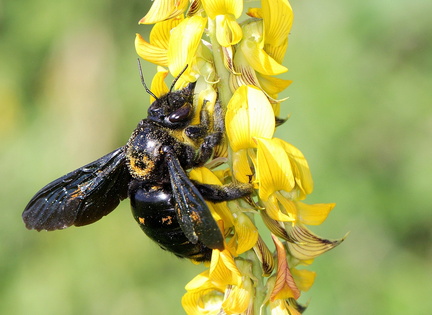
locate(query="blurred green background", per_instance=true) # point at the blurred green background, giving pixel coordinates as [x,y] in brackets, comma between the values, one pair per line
[360,109]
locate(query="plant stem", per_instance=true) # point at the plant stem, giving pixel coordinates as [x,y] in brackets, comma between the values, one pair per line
[223,74]
[260,290]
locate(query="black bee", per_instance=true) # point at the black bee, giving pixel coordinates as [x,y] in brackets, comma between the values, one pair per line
[151,170]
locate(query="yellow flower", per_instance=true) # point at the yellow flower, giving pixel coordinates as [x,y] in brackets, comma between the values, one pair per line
[225,13]
[239,298]
[236,64]
[278,208]
[203,297]
[245,235]
[222,287]
[252,50]
[273,168]
[249,115]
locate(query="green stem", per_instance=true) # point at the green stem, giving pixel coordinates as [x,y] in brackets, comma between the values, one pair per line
[225,94]
[223,74]
[260,290]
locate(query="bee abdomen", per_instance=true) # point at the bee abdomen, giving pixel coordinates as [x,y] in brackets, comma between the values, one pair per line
[153,209]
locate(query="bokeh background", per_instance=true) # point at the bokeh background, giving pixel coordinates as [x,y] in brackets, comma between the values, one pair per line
[361,112]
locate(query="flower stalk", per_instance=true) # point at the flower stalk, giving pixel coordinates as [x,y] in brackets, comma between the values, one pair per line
[236,64]
[223,89]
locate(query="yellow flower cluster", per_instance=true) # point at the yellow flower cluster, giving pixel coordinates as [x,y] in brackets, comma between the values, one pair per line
[236,63]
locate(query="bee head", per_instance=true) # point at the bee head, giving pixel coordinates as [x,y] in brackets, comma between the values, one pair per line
[174,110]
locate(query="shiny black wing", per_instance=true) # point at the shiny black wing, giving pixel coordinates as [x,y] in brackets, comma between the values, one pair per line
[193,214]
[80,197]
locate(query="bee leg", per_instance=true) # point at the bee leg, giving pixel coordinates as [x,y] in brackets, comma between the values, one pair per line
[219,120]
[214,138]
[196,132]
[216,193]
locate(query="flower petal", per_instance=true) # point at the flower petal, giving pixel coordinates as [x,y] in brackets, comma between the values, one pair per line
[249,114]
[303,278]
[163,10]
[278,17]
[313,214]
[204,175]
[285,286]
[265,256]
[273,168]
[252,49]
[195,8]
[241,166]
[208,302]
[198,282]
[223,269]
[275,227]
[150,52]
[244,74]
[287,204]
[308,245]
[228,32]
[158,85]
[227,55]
[183,45]
[276,52]
[205,65]
[260,60]
[255,13]
[273,86]
[161,32]
[300,167]
[272,209]
[245,232]
[239,298]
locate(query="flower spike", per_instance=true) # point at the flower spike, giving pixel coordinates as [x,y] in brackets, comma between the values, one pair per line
[236,66]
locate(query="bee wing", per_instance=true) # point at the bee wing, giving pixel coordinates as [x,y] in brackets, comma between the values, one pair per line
[193,214]
[81,197]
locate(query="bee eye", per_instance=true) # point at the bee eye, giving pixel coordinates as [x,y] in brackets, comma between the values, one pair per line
[180,114]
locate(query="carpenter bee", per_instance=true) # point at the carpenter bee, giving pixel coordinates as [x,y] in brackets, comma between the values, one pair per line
[151,169]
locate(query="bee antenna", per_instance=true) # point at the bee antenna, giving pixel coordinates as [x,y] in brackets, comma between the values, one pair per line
[178,77]
[143,82]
